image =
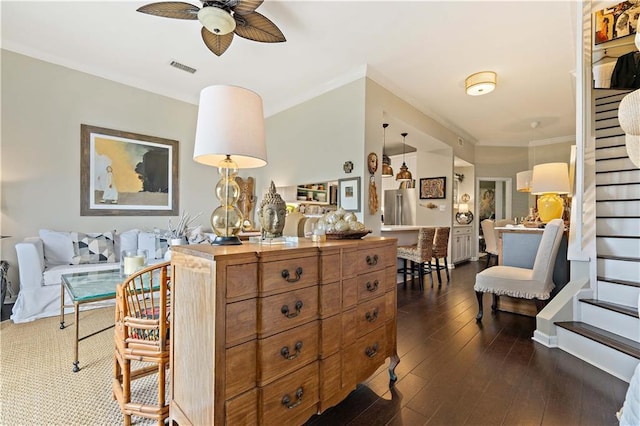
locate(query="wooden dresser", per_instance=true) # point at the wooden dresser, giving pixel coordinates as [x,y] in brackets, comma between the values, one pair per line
[274,334]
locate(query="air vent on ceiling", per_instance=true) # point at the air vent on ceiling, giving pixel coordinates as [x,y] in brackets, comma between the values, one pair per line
[182,67]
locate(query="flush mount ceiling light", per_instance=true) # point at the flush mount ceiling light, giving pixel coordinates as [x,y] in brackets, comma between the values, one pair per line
[481,83]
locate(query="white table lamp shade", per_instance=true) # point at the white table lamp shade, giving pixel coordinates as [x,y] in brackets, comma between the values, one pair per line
[523,181]
[550,178]
[230,122]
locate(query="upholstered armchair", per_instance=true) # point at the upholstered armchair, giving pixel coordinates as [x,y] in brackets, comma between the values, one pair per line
[535,283]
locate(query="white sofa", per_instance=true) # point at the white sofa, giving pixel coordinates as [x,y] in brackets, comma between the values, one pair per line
[43,259]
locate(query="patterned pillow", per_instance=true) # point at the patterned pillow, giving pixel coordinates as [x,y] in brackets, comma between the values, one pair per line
[93,248]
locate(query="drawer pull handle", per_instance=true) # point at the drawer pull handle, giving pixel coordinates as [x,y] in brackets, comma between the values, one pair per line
[286,400]
[286,313]
[372,286]
[371,351]
[371,317]
[285,275]
[372,261]
[285,351]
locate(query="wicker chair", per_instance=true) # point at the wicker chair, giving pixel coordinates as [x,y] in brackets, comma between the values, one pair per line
[441,251]
[419,255]
[142,334]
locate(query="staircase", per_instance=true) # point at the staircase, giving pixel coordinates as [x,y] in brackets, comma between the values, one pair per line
[606,327]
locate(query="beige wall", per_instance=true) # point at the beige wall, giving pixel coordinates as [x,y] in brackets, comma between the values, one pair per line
[43,106]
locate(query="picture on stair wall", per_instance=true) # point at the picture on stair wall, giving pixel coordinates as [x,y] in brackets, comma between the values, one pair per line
[616,21]
[127,174]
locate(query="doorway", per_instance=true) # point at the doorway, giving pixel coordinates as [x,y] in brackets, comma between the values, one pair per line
[493,202]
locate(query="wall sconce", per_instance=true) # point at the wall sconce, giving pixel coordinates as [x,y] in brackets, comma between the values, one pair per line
[481,83]
[229,135]
[549,180]
[523,181]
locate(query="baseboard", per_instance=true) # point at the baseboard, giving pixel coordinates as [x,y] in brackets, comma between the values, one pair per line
[544,339]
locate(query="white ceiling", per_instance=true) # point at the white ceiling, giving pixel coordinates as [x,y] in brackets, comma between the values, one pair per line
[420,50]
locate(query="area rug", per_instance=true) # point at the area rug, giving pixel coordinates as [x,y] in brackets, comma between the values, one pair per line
[38,386]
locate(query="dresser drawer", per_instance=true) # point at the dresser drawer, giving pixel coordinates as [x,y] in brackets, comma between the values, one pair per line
[287,351]
[242,280]
[375,257]
[287,310]
[291,399]
[370,315]
[371,285]
[371,352]
[242,410]
[289,274]
[240,358]
[330,267]
[350,263]
[349,292]
[461,230]
[390,277]
[241,320]
[329,303]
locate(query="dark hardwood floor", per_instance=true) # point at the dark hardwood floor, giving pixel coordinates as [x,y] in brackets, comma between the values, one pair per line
[454,372]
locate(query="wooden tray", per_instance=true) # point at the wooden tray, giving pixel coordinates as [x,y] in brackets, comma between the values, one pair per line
[347,235]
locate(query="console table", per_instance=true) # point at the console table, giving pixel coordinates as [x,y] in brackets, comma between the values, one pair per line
[273,334]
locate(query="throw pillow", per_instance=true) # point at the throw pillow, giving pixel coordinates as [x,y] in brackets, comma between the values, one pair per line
[58,247]
[155,244]
[127,240]
[93,248]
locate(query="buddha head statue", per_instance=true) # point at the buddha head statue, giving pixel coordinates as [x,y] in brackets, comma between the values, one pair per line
[272,213]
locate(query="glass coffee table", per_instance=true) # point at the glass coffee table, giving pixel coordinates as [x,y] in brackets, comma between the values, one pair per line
[87,287]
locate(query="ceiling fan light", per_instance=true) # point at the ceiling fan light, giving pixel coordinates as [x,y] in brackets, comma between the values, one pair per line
[216,20]
[480,83]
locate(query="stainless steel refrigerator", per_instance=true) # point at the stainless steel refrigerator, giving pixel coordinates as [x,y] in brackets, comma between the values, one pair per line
[400,206]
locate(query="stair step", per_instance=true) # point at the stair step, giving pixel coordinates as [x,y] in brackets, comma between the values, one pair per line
[618,226]
[621,258]
[615,165]
[615,307]
[611,340]
[612,245]
[618,177]
[618,208]
[618,268]
[621,282]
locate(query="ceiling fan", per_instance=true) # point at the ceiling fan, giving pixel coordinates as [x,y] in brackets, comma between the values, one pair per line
[220,19]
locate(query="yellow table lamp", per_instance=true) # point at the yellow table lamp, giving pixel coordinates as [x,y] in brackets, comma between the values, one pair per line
[548,181]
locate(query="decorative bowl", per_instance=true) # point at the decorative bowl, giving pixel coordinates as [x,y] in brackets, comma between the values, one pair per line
[347,235]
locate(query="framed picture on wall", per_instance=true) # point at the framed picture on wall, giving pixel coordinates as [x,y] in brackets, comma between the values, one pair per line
[127,174]
[433,188]
[349,194]
[616,21]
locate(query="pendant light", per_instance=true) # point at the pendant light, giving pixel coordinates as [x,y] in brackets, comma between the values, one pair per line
[387,171]
[404,174]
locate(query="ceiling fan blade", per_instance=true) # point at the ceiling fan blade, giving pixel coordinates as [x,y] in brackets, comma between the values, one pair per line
[257,27]
[246,6]
[171,9]
[218,44]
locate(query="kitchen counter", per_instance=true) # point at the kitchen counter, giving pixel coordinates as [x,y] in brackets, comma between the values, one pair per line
[406,234]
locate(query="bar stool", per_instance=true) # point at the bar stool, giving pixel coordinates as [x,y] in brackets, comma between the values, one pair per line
[440,251]
[419,255]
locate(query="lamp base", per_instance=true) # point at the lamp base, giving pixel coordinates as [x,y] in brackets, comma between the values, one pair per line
[550,206]
[226,241]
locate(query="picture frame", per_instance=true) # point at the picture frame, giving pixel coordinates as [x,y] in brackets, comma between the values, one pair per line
[349,194]
[127,174]
[615,22]
[433,188]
